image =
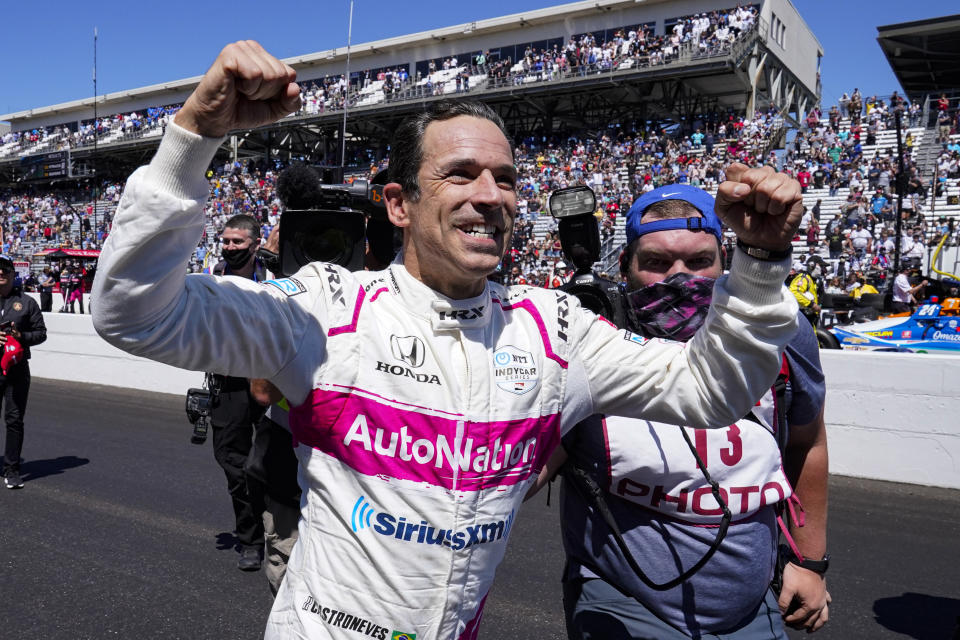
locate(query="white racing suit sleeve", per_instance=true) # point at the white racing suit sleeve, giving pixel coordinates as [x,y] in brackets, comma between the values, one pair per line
[147,305]
[710,381]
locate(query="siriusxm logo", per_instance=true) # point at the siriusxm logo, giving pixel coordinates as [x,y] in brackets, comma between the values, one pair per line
[365,516]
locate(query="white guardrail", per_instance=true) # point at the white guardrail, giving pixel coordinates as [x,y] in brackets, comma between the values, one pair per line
[73,351]
[894,416]
[890,416]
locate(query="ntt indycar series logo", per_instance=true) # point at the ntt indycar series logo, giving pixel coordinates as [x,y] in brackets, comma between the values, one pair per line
[515,370]
[365,516]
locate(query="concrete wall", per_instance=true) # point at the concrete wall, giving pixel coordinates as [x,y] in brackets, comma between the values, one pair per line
[58,302]
[889,416]
[894,416]
[74,351]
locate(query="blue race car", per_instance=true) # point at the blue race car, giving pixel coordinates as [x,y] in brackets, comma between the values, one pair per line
[932,327]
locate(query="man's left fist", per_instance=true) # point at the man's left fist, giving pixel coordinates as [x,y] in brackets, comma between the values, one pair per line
[762,207]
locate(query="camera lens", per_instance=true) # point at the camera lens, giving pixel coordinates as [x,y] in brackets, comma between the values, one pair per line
[326,245]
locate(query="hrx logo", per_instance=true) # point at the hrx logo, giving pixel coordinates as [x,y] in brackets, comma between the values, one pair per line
[563,310]
[333,281]
[462,314]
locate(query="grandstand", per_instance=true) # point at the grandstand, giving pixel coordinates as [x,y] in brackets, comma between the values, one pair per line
[583,68]
[614,93]
[646,67]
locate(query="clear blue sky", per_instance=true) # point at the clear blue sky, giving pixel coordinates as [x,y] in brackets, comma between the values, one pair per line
[46,51]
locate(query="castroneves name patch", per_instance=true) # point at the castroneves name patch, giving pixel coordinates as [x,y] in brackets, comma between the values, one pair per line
[515,370]
[290,286]
[340,619]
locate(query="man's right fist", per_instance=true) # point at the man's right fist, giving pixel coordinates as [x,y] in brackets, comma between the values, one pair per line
[244,88]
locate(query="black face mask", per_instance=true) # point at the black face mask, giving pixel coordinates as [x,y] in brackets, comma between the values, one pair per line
[236,258]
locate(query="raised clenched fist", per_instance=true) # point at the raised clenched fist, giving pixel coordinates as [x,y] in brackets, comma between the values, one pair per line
[244,88]
[762,207]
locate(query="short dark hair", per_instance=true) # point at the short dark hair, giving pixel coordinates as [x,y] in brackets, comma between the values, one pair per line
[246,222]
[406,152]
[670,209]
[663,210]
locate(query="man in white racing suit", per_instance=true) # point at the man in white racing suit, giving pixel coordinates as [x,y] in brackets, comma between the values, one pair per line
[424,399]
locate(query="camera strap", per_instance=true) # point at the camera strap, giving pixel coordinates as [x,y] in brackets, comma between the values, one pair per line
[212,383]
[591,491]
[594,494]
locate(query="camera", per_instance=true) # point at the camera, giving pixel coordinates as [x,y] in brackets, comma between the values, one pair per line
[330,222]
[579,232]
[199,404]
[320,223]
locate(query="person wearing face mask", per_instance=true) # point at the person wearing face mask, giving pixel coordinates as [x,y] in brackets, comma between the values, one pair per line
[235,412]
[657,496]
[240,240]
[21,327]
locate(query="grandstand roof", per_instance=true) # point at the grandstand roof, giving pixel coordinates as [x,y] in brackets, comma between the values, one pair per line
[924,55]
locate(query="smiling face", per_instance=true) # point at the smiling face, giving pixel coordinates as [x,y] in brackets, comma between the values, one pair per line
[456,231]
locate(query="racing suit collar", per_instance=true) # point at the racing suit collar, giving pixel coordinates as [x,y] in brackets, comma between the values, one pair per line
[443,313]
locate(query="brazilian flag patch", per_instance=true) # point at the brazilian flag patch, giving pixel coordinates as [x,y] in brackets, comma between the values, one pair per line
[400,635]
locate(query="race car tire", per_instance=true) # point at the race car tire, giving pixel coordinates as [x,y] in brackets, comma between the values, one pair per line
[827,340]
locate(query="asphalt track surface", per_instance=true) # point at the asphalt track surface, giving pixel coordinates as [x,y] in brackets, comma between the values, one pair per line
[124,531]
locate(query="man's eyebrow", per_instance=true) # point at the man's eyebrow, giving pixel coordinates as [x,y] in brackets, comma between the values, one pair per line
[469,163]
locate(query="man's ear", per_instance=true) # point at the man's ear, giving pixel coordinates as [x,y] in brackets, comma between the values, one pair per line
[395,202]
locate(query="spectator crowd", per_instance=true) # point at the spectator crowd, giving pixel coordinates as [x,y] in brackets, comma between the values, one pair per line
[697,35]
[835,156]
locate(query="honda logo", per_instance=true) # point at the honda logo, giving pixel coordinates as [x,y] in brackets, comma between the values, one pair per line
[408,349]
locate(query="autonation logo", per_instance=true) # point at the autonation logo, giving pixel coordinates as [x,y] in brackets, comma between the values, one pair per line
[366,516]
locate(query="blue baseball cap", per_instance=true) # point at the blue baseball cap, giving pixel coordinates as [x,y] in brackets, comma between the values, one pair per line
[698,198]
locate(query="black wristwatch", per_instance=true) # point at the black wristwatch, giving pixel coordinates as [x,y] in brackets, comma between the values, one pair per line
[817,566]
[766,255]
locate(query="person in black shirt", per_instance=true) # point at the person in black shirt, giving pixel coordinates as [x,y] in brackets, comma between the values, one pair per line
[819,178]
[47,283]
[21,327]
[235,412]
